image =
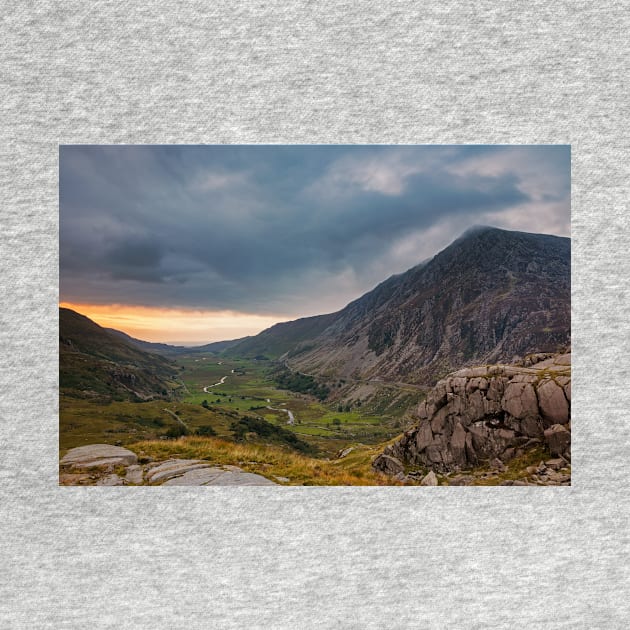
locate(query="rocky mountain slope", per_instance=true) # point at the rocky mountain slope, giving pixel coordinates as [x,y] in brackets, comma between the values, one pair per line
[95,362]
[492,295]
[495,412]
[283,338]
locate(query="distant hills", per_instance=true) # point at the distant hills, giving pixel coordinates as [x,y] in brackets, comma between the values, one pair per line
[94,362]
[491,296]
[166,349]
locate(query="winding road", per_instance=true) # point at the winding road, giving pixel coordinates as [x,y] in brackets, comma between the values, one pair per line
[205,389]
[291,419]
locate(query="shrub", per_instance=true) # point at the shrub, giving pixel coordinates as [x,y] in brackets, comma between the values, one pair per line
[248,425]
[176,431]
[301,383]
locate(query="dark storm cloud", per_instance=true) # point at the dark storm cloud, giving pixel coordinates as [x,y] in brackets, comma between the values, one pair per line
[135,259]
[277,229]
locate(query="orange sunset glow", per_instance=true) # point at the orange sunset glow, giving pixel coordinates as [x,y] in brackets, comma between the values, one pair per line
[172,325]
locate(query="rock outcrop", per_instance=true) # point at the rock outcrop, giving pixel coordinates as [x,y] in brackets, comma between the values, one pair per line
[96,455]
[476,415]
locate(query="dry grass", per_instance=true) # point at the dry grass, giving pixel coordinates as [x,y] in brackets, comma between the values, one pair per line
[272,461]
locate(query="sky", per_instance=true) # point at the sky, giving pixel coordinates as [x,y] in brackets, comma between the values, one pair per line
[192,244]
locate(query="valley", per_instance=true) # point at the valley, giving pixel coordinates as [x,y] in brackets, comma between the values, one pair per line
[219,392]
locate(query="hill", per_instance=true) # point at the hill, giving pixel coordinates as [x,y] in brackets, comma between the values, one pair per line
[282,338]
[96,362]
[493,295]
[214,347]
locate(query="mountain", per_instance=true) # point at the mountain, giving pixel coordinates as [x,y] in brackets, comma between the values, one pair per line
[491,296]
[282,338]
[166,349]
[94,361]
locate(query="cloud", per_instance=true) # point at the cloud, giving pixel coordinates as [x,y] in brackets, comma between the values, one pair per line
[284,230]
[542,173]
[135,259]
[213,181]
[382,173]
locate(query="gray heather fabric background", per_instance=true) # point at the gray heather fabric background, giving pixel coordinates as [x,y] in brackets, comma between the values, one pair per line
[299,72]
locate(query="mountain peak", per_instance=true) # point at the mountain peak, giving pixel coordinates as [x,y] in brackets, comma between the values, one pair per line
[477,229]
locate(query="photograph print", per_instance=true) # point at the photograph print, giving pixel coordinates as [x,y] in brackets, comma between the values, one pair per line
[309,315]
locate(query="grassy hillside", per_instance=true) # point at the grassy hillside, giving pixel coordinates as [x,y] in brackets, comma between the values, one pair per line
[273,462]
[95,362]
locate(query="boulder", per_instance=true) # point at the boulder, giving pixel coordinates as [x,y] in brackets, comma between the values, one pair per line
[134,475]
[556,464]
[429,480]
[98,455]
[424,436]
[213,476]
[558,439]
[172,472]
[173,468]
[497,464]
[110,480]
[519,400]
[554,407]
[388,465]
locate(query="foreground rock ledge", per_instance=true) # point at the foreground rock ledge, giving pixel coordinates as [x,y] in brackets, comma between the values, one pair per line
[94,455]
[478,414]
[105,465]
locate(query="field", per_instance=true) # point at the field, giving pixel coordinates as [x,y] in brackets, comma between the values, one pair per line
[249,389]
